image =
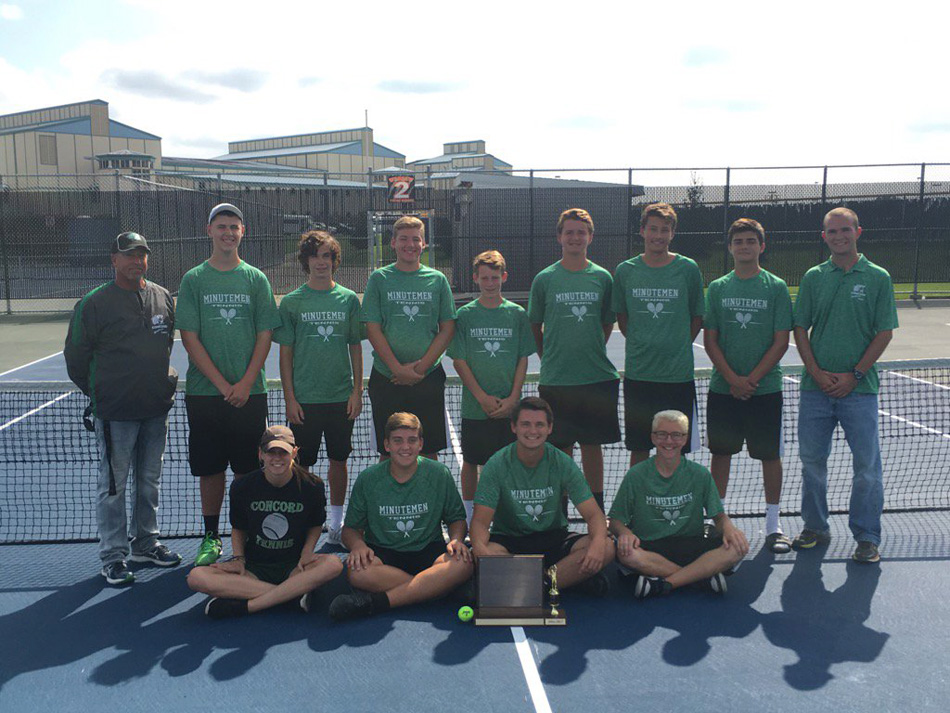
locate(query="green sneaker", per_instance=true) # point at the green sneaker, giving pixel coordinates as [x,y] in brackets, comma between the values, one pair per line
[209,551]
[807,539]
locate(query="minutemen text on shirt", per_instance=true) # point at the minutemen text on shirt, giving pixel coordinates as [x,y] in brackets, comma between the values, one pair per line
[409,307]
[491,341]
[660,303]
[574,307]
[226,309]
[321,325]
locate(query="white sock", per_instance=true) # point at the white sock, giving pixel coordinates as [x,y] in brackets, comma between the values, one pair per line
[771,519]
[725,508]
[336,517]
[469,506]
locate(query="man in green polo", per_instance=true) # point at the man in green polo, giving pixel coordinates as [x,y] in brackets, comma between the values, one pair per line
[844,319]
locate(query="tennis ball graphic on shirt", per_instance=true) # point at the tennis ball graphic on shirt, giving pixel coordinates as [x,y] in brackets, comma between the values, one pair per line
[274,526]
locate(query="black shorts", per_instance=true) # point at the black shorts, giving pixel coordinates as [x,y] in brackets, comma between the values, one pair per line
[585,414]
[682,550]
[642,400]
[758,422]
[323,421]
[482,438]
[410,562]
[272,573]
[220,434]
[426,400]
[555,545]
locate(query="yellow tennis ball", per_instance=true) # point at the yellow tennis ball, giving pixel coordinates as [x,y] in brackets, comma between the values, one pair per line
[466,614]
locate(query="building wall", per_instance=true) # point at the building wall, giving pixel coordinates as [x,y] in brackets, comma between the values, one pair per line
[283,142]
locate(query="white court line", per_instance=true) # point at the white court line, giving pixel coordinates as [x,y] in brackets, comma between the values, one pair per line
[912,378]
[37,409]
[454,437]
[530,669]
[921,426]
[35,361]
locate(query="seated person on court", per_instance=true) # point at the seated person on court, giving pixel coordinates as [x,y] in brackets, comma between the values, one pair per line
[657,517]
[277,515]
[393,528]
[518,504]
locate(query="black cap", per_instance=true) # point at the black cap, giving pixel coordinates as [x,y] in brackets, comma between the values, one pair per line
[127,242]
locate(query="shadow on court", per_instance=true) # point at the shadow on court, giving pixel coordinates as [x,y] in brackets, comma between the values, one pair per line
[824,626]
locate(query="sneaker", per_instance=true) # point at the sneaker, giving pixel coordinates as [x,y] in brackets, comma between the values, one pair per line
[117,573]
[335,536]
[351,606]
[306,600]
[651,587]
[159,555]
[222,608]
[778,543]
[807,539]
[866,552]
[209,551]
[715,584]
[596,586]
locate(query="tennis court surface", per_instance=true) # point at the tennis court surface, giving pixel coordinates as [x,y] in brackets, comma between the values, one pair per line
[793,631]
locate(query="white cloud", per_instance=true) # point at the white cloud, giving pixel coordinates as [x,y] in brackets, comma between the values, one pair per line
[11,12]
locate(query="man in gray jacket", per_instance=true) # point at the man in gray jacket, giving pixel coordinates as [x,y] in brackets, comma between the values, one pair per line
[117,352]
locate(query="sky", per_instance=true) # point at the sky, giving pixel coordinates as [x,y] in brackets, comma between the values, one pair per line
[548,85]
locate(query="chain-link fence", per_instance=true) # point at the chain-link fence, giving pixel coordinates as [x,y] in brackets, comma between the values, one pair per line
[55,231]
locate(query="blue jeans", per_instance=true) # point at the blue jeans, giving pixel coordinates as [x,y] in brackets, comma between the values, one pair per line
[137,446]
[858,415]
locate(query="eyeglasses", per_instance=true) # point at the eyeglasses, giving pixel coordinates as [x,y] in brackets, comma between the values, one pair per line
[663,435]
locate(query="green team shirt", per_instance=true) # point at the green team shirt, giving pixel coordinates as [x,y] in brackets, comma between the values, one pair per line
[844,311]
[491,340]
[320,325]
[227,310]
[660,303]
[574,307]
[654,507]
[404,516]
[528,500]
[409,306]
[747,314]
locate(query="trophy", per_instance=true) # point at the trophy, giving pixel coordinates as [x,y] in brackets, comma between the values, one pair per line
[510,591]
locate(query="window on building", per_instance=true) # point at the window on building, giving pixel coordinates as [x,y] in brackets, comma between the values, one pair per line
[48,151]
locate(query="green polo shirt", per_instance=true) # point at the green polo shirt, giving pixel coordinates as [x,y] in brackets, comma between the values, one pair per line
[747,314]
[409,307]
[844,311]
[660,303]
[574,307]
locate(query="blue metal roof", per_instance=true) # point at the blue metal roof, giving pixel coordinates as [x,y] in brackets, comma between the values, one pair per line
[124,131]
[83,125]
[354,148]
[448,157]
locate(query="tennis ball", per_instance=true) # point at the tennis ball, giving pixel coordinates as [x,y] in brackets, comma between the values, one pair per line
[466,614]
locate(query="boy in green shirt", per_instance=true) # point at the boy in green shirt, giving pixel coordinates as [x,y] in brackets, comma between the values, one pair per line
[393,529]
[321,365]
[658,298]
[657,518]
[410,319]
[226,312]
[571,319]
[518,504]
[490,353]
[747,323]
[845,315]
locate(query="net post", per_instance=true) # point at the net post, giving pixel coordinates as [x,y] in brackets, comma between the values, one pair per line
[725,222]
[4,256]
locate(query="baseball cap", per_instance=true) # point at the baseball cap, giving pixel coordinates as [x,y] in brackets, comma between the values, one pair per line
[127,242]
[225,208]
[278,437]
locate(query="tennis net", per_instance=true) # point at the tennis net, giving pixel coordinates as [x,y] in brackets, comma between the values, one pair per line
[48,461]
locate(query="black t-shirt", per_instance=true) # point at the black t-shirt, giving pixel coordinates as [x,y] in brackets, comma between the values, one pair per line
[275,520]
